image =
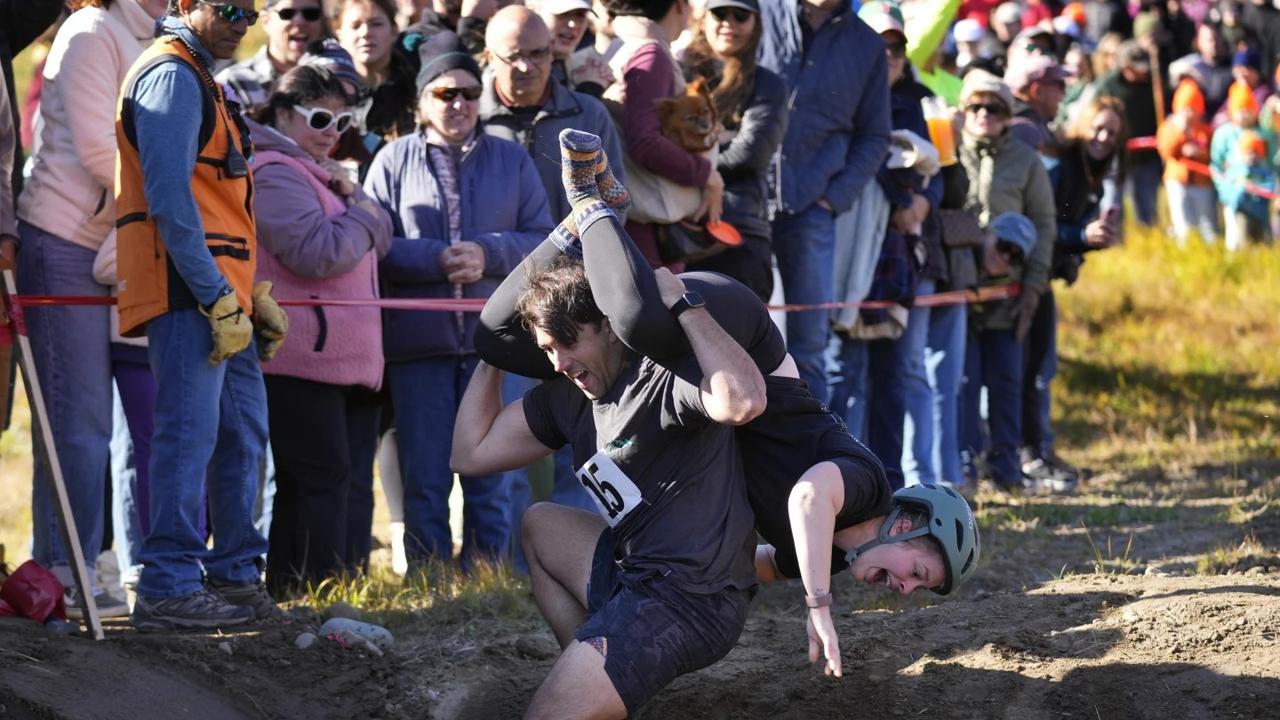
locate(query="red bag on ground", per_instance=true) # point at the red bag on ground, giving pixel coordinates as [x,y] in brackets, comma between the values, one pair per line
[33,592]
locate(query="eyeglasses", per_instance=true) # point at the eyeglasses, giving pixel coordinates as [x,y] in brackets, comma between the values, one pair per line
[320,119]
[530,57]
[449,94]
[736,14]
[897,49]
[231,13]
[310,14]
[991,108]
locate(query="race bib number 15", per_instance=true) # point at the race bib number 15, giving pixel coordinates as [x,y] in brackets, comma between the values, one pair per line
[613,491]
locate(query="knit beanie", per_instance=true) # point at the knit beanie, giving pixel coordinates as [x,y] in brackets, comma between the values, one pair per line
[1188,95]
[1240,97]
[441,53]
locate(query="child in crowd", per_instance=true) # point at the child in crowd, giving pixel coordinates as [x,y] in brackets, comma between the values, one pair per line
[1249,169]
[1183,140]
[1232,168]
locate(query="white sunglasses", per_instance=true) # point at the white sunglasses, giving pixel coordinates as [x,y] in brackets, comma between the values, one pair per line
[320,119]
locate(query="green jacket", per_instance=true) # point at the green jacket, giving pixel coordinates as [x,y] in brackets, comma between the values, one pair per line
[1006,175]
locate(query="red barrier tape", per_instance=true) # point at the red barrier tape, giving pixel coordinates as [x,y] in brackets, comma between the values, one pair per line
[954,297]
[1149,143]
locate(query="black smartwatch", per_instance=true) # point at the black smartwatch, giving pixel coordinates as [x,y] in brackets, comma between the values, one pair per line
[690,300]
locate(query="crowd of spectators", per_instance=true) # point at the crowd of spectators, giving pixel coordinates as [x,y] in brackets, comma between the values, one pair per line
[408,150]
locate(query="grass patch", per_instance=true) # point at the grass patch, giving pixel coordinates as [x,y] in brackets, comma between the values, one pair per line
[1251,552]
[1091,510]
[1168,355]
[489,592]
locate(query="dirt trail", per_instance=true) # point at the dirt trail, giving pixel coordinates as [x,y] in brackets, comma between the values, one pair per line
[1038,634]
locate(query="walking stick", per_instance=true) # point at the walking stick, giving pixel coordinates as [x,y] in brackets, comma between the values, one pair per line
[40,417]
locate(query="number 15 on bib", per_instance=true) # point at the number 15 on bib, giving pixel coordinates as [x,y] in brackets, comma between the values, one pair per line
[613,491]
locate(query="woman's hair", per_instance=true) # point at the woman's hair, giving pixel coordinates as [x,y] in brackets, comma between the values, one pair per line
[732,79]
[1104,56]
[302,85]
[74,5]
[1089,73]
[653,9]
[336,8]
[1082,127]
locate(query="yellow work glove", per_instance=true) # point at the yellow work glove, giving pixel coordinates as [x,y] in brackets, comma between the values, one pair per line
[232,331]
[269,319]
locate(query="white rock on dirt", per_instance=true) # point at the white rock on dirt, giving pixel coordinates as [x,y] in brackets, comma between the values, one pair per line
[305,640]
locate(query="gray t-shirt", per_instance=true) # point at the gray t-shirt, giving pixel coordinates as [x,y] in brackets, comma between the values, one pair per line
[665,477]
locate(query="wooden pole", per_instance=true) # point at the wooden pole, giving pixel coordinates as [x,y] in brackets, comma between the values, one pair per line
[40,417]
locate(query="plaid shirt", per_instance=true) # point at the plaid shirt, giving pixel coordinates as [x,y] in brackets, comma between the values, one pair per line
[249,82]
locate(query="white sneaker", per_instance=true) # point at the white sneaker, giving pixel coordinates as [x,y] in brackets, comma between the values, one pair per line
[109,606]
[399,561]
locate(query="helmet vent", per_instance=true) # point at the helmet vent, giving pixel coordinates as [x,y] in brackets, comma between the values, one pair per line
[959,534]
[968,563]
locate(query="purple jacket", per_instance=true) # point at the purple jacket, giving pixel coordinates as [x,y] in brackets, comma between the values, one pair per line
[314,246]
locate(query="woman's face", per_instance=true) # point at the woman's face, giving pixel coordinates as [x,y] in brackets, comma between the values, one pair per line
[895,45]
[728,30]
[985,116]
[366,33]
[1104,133]
[316,143]
[454,118]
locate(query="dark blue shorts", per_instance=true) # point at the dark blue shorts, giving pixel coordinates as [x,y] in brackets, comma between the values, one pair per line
[654,631]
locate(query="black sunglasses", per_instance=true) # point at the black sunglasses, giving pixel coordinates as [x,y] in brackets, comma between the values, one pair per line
[443,94]
[231,13]
[736,14]
[310,14]
[991,108]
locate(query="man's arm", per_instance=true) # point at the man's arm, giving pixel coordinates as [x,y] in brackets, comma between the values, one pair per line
[487,437]
[166,115]
[733,391]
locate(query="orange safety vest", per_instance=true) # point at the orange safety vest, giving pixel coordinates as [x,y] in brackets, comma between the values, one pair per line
[225,202]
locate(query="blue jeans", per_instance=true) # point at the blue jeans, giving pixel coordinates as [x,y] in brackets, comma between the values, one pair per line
[944,363]
[994,361]
[917,395]
[847,361]
[804,244]
[210,436]
[426,394]
[1144,182]
[70,347]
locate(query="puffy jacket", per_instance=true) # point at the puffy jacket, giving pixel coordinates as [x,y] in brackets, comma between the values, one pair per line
[1174,133]
[504,210]
[1006,175]
[540,134]
[744,160]
[839,129]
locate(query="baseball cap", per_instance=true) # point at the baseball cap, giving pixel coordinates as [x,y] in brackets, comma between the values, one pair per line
[748,5]
[968,30]
[1132,55]
[1027,69]
[1008,13]
[560,7]
[883,16]
[1016,229]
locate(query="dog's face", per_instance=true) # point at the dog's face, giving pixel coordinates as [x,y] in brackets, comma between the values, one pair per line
[690,120]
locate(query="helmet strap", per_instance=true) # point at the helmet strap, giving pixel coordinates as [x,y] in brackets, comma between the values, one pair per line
[883,537]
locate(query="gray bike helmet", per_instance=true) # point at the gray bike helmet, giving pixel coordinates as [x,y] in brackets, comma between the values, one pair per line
[951,524]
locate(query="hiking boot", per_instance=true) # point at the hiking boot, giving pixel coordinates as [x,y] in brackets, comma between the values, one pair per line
[201,610]
[109,606]
[248,595]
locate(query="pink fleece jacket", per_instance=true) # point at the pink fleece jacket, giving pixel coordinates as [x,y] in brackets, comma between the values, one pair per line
[335,345]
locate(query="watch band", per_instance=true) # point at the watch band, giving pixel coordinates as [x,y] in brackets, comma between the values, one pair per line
[817,601]
[688,301]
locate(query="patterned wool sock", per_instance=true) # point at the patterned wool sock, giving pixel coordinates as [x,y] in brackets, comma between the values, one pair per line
[613,193]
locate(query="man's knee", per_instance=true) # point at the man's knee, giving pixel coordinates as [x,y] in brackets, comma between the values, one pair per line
[533,527]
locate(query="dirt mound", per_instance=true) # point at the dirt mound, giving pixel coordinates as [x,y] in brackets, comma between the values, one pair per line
[1084,647]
